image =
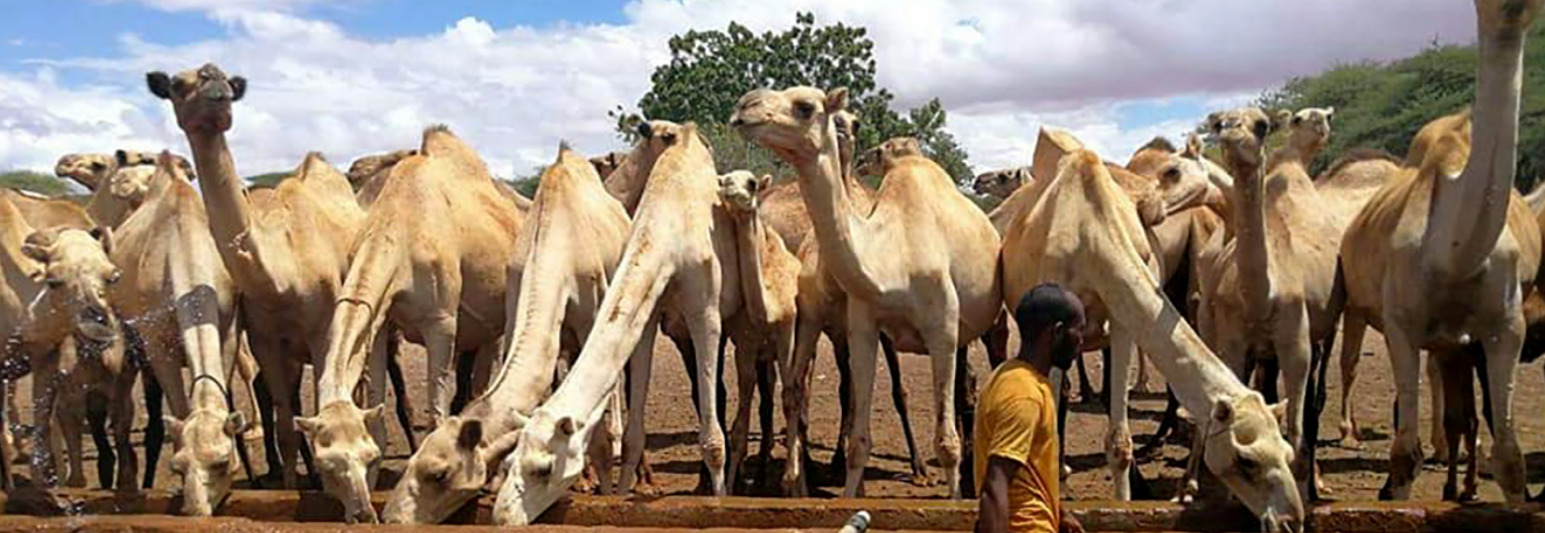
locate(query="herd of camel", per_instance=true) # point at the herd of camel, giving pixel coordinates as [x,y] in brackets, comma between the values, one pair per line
[1218,273]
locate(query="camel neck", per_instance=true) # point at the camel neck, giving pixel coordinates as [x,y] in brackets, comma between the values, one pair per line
[749,239]
[373,280]
[836,225]
[1253,252]
[225,199]
[626,184]
[1469,211]
[534,342]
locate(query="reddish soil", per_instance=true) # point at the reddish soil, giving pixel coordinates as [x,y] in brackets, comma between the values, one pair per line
[1351,475]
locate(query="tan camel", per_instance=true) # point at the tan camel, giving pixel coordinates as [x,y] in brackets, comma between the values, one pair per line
[1083,232]
[43,212]
[569,248]
[368,174]
[675,263]
[1345,187]
[605,165]
[763,331]
[180,300]
[58,325]
[1269,293]
[1434,263]
[431,257]
[90,170]
[287,248]
[939,292]
[1001,183]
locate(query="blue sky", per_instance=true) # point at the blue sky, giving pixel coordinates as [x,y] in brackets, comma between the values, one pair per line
[352,77]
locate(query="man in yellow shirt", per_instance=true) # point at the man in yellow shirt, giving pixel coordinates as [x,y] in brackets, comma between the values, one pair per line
[1016,419]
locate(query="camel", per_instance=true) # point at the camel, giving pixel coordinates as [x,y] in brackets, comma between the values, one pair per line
[368,174]
[938,292]
[43,212]
[676,264]
[438,275]
[1083,233]
[763,331]
[58,324]
[178,298]
[1269,293]
[287,248]
[605,165]
[1001,183]
[1438,226]
[568,250]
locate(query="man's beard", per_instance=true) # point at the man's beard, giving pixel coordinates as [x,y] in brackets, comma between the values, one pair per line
[1064,352]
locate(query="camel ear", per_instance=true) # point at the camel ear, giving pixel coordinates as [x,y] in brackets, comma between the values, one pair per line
[495,451]
[38,245]
[567,426]
[235,423]
[160,84]
[309,426]
[1222,411]
[1193,146]
[762,182]
[104,235]
[238,88]
[1279,411]
[122,157]
[837,100]
[470,435]
[1282,118]
[375,415]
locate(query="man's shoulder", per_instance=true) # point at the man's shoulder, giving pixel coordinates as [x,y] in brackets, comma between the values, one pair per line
[1016,379]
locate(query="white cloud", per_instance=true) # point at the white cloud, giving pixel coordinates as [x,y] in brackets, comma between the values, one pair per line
[1002,67]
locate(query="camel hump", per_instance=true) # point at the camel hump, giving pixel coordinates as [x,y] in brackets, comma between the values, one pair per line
[1050,146]
[1356,156]
[1431,133]
[439,141]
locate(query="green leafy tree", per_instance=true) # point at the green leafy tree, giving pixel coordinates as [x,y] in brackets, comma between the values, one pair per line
[268,179]
[35,182]
[1383,105]
[710,70]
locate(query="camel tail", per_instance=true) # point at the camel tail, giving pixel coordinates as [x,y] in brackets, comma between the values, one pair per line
[359,312]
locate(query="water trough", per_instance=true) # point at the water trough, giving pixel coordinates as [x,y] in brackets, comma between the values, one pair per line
[81,511]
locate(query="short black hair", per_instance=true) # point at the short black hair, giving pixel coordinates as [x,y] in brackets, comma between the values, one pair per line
[1043,307]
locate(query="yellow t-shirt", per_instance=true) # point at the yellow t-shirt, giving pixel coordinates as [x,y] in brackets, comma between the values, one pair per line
[1016,419]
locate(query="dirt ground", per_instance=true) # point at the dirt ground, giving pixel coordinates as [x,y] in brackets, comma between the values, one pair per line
[1349,474]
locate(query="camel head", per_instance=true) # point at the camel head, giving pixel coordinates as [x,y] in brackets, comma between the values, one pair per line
[795,123]
[548,457]
[75,273]
[89,170]
[1244,448]
[205,453]
[344,454]
[654,137]
[1241,133]
[738,191]
[1506,18]
[878,160]
[451,468]
[201,98]
[605,165]
[372,167]
[847,125]
[1181,177]
[1001,183]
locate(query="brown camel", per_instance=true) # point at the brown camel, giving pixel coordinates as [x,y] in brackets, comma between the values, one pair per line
[438,275]
[675,263]
[1435,263]
[569,248]
[763,331]
[938,292]
[1269,293]
[1083,232]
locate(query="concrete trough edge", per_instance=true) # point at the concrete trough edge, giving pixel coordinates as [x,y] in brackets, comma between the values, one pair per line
[823,514]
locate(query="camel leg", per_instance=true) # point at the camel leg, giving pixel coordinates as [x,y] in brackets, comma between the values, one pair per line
[1059,390]
[1086,392]
[155,425]
[7,439]
[96,420]
[70,413]
[1451,380]
[766,392]
[440,339]
[375,394]
[281,380]
[842,355]
[706,332]
[1502,349]
[1406,452]
[639,367]
[740,429]
[1294,356]
[899,398]
[1118,438]
[997,340]
[121,410]
[45,384]
[965,418]
[400,386]
[265,409]
[863,341]
[783,346]
[1437,438]
[796,381]
[1353,326]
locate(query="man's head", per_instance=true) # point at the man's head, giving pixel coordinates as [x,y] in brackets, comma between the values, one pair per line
[1051,321]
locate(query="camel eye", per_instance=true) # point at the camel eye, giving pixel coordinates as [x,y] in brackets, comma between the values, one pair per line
[1248,466]
[805,109]
[1172,174]
[112,279]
